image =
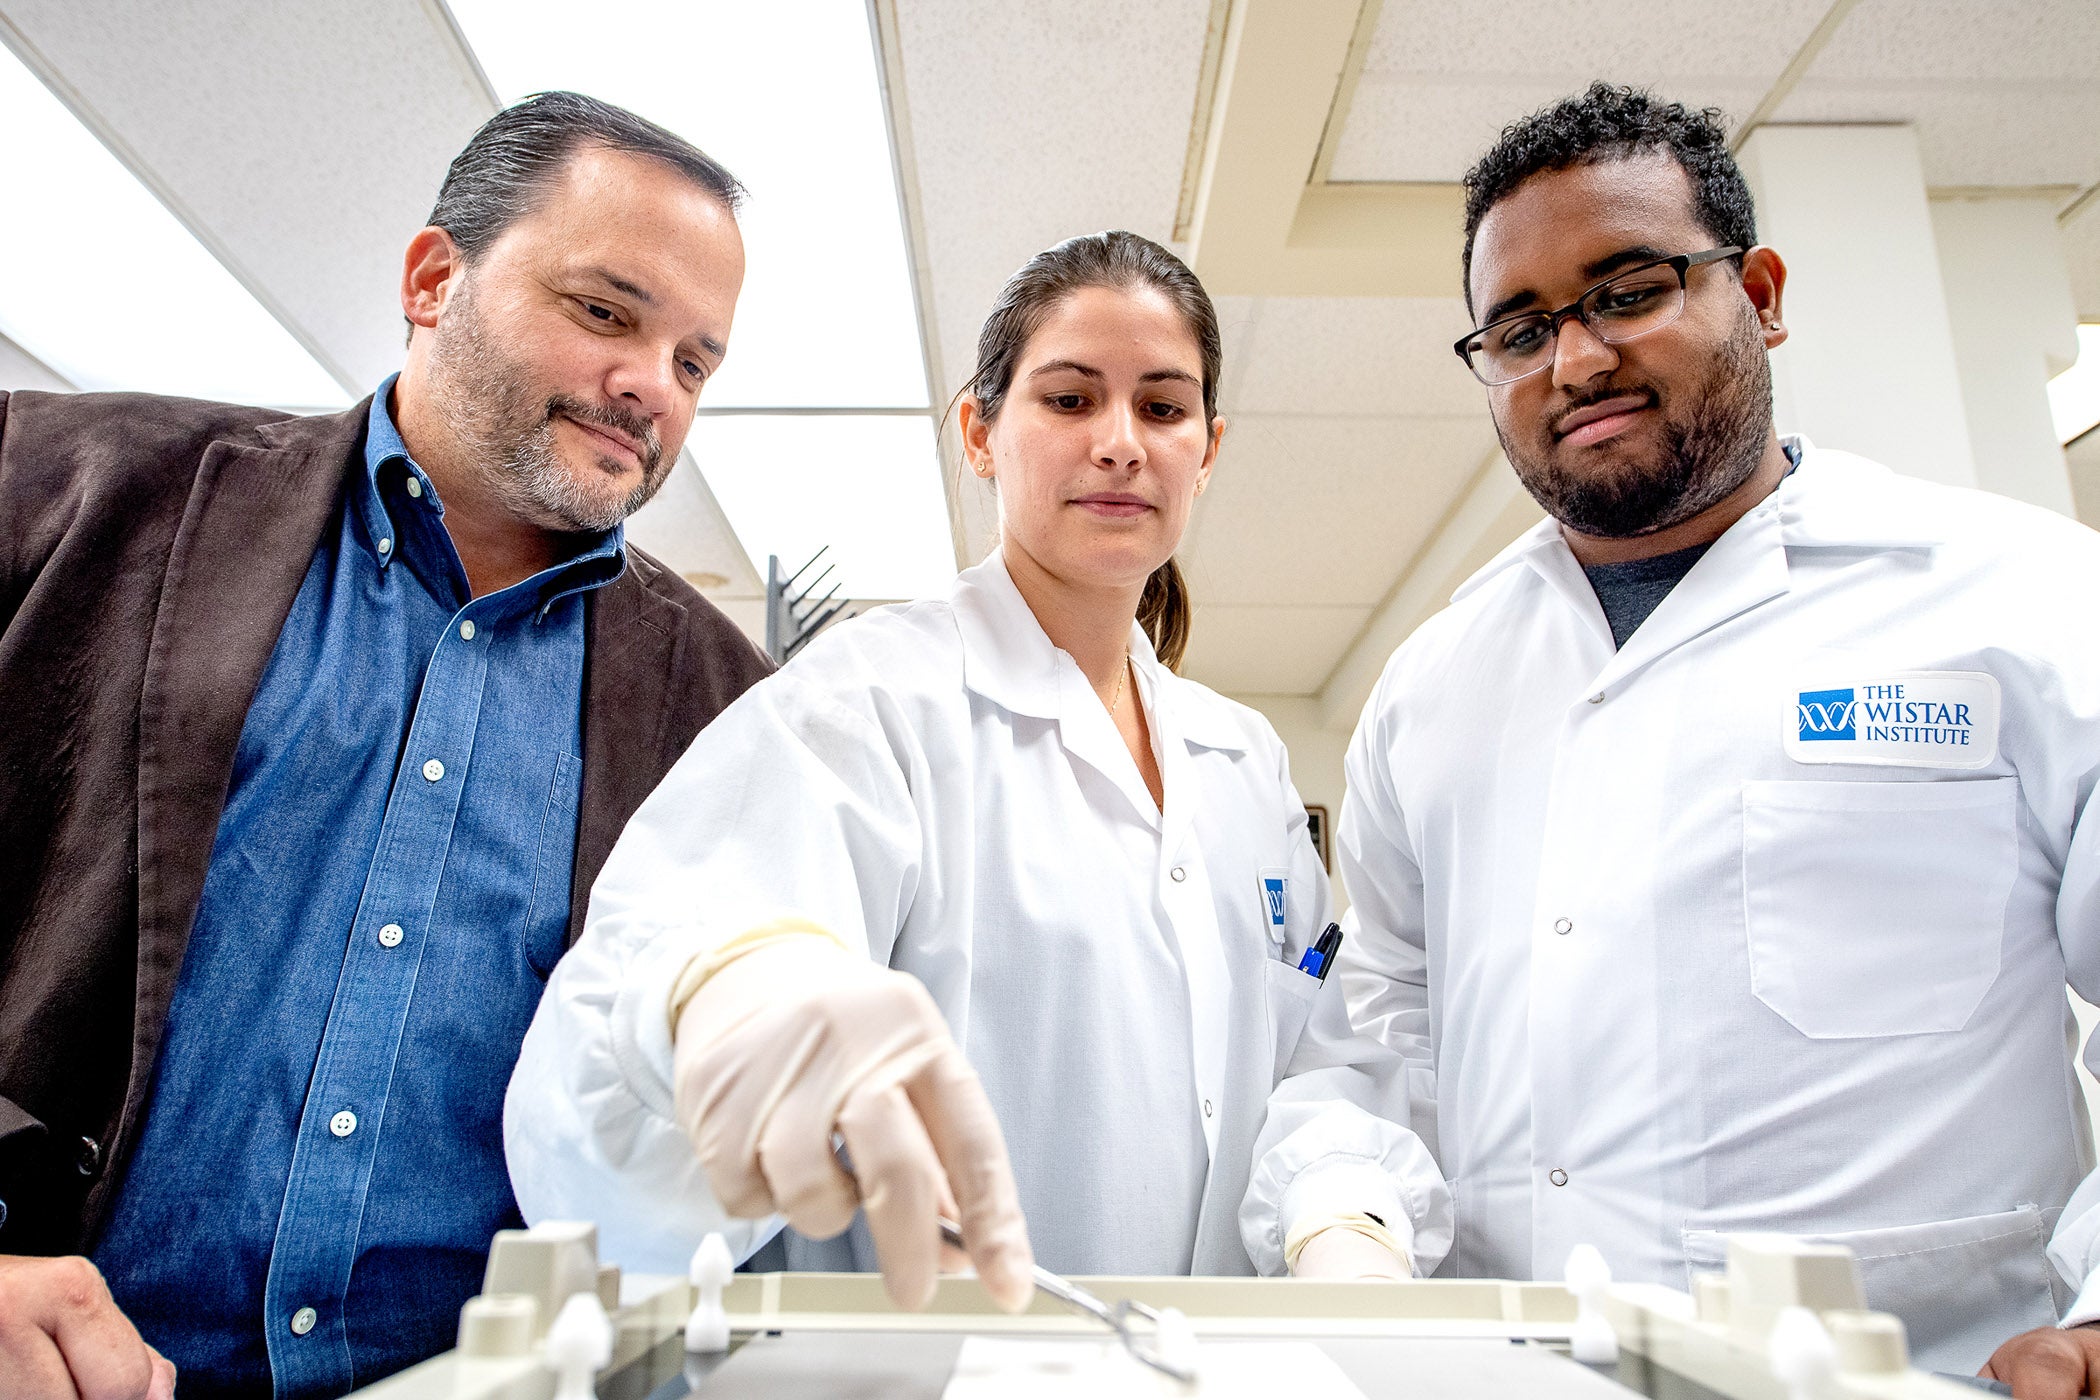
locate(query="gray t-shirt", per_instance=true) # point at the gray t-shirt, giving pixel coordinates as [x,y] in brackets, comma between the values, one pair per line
[1636,588]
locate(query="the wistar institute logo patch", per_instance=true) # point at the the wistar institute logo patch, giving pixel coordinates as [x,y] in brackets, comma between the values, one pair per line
[1923,719]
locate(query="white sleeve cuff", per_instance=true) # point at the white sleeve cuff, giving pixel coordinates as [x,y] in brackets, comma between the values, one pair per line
[2086,1306]
[1337,1185]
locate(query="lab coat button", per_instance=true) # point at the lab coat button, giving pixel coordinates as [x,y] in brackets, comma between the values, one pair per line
[1598,698]
[343,1124]
[1563,925]
[1206,1108]
[390,936]
[1557,1177]
[303,1321]
[1179,874]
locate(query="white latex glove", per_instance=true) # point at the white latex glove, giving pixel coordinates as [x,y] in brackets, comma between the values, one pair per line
[799,1039]
[1339,1252]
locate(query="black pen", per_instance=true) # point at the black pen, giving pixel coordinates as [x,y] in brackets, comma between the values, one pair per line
[1319,959]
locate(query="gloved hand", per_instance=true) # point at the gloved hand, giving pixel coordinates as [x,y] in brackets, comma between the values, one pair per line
[799,1039]
[1341,1252]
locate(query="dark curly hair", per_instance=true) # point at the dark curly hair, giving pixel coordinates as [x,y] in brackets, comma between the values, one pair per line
[1610,123]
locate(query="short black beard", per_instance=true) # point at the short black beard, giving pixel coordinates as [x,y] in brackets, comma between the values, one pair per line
[509,431]
[1707,454]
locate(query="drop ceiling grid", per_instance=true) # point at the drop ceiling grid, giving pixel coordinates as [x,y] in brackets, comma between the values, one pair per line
[2001,94]
[1440,81]
[1034,123]
[260,136]
[1938,42]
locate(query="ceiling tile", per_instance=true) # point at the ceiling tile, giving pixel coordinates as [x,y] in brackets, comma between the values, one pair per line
[1356,356]
[1326,511]
[1441,81]
[1965,41]
[1269,651]
[1032,123]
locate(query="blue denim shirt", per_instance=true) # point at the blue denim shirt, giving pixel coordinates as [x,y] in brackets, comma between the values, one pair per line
[321,1166]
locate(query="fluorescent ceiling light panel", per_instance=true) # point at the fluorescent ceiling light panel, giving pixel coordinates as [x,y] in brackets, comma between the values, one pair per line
[2074,395]
[868,487]
[100,282]
[786,96]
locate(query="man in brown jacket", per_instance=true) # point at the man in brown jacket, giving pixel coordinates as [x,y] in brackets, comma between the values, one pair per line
[313,735]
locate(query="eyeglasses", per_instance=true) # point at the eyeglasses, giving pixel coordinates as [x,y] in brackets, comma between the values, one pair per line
[1622,307]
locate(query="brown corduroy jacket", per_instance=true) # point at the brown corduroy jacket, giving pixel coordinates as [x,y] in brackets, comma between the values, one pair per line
[150,549]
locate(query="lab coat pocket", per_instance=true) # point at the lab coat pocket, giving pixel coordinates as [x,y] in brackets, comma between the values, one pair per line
[1876,908]
[1960,1286]
[1291,994]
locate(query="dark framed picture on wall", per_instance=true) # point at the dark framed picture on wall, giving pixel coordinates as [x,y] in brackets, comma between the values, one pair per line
[1316,827]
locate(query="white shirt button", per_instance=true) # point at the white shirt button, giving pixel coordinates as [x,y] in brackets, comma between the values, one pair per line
[390,936]
[1557,1177]
[433,770]
[415,487]
[386,544]
[303,1322]
[1563,925]
[1206,1108]
[1178,874]
[466,630]
[1598,698]
[343,1124]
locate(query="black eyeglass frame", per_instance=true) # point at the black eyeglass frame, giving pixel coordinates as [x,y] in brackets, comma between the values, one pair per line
[1682,264]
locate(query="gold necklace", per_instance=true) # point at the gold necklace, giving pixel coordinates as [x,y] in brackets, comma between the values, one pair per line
[1122,678]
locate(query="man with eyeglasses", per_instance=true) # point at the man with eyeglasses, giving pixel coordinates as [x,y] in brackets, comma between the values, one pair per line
[1721,851]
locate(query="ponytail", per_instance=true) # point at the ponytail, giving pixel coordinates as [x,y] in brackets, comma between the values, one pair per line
[1164,612]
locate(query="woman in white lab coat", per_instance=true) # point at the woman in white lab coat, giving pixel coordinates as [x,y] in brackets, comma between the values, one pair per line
[997,816]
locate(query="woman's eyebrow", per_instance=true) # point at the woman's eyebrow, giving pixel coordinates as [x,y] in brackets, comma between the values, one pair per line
[1066,367]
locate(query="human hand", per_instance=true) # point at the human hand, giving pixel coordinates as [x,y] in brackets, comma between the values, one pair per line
[1339,1252]
[62,1337]
[798,1040]
[2049,1363]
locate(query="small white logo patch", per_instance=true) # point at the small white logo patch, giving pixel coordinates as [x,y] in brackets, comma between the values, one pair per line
[1905,719]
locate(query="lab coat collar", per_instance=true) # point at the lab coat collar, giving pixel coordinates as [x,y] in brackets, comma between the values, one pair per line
[1836,500]
[1832,499]
[1007,656]
[1010,660]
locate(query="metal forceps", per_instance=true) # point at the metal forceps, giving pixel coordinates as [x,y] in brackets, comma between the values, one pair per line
[1117,1318]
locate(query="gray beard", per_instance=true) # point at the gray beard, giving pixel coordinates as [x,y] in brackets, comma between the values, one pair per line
[508,431]
[1706,457]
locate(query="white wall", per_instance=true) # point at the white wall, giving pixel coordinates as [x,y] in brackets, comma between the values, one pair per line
[1316,761]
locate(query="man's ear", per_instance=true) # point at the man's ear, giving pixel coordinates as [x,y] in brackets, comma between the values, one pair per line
[1764,282]
[427,271]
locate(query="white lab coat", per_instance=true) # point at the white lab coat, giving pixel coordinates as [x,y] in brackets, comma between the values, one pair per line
[936,782]
[1683,962]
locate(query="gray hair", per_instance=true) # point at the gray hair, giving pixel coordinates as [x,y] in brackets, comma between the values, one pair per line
[511,162]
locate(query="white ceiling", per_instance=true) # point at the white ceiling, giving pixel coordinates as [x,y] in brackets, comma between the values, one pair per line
[2001,94]
[1442,79]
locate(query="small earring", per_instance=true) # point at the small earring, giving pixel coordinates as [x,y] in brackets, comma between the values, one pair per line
[1774,325]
